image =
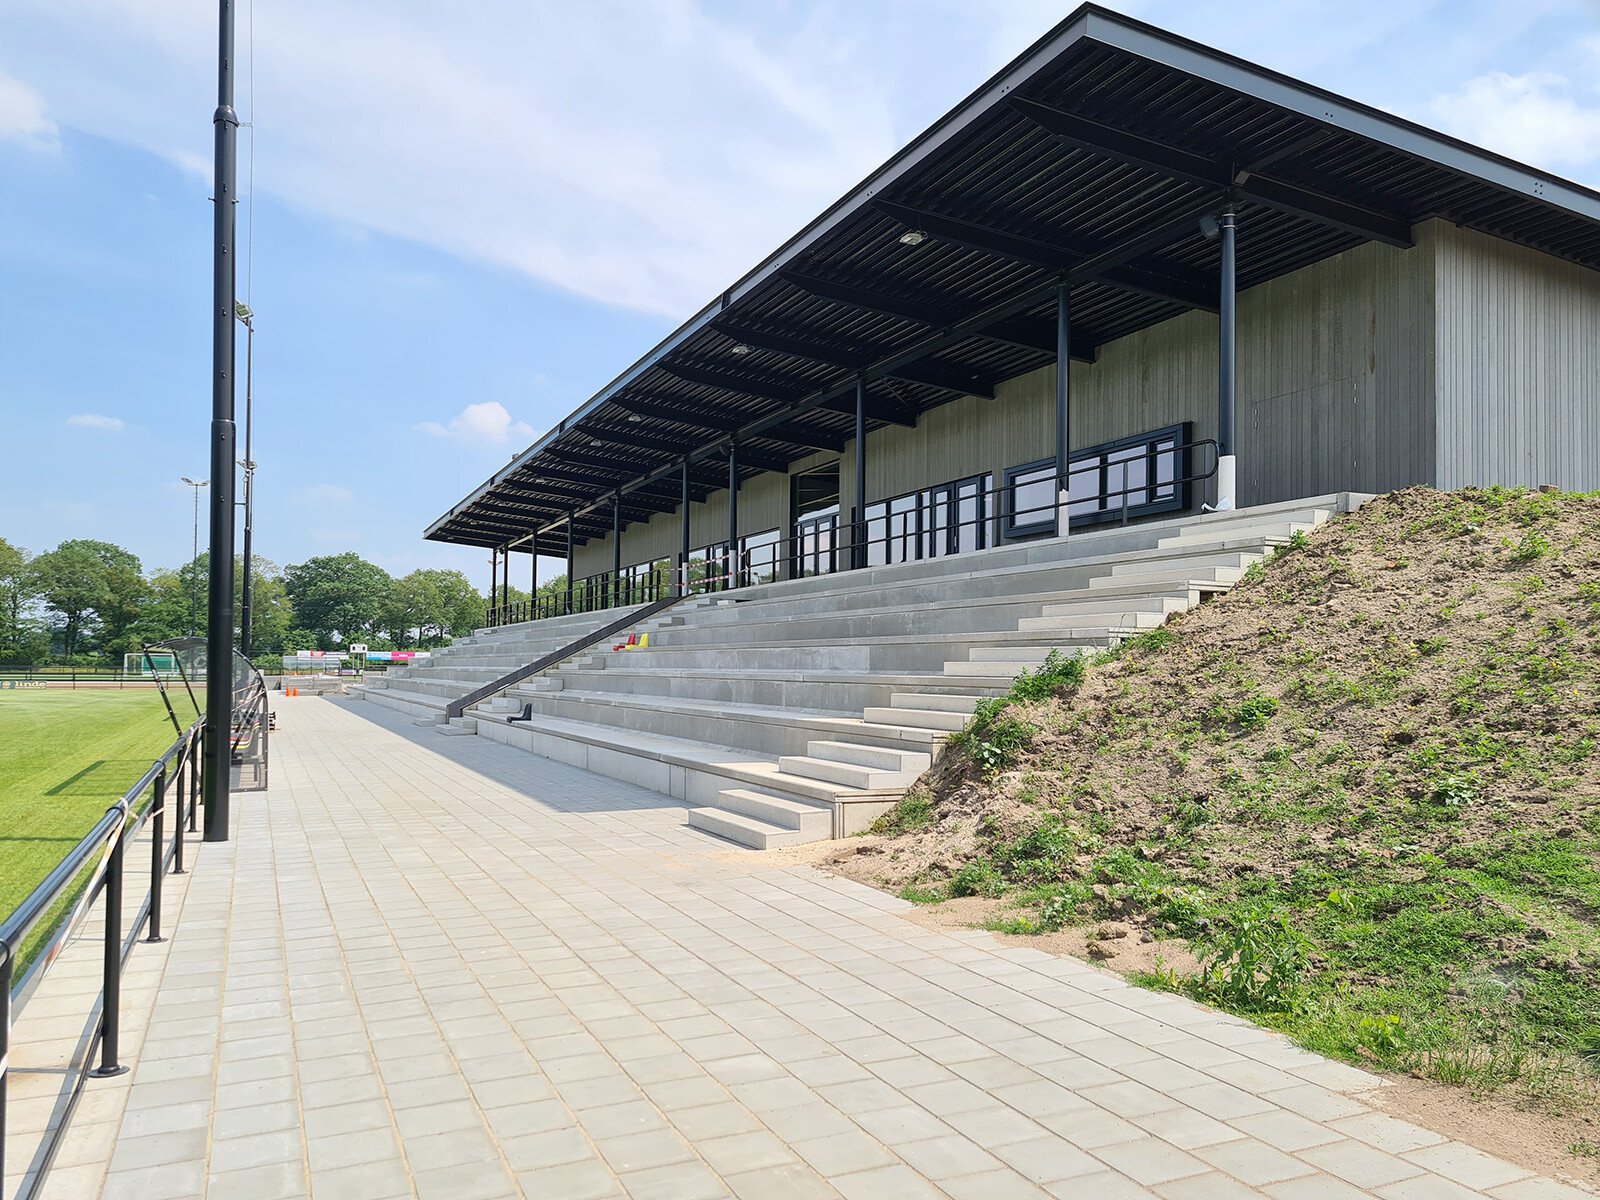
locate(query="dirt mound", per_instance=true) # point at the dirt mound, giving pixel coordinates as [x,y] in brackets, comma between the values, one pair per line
[1364,786]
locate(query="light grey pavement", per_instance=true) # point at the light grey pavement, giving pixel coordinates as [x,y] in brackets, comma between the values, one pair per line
[446,968]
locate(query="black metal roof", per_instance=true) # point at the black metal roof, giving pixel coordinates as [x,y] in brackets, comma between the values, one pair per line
[1090,158]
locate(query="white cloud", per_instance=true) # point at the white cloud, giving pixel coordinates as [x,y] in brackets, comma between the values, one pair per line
[1541,117]
[95,421]
[485,422]
[23,117]
[642,155]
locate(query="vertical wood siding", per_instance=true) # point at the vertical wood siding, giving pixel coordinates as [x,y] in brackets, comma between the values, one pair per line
[1518,365]
[1337,371]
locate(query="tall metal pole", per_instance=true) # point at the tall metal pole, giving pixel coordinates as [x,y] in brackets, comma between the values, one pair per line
[219,630]
[247,591]
[1063,411]
[194,556]
[733,515]
[1227,480]
[494,584]
[858,529]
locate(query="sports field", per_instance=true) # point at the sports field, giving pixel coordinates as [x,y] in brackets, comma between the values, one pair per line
[65,756]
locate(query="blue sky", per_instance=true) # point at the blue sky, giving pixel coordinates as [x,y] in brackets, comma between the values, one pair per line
[467,218]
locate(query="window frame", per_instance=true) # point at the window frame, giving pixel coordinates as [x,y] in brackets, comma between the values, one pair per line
[1180,435]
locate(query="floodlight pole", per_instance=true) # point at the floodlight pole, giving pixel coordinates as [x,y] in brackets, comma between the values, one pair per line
[194,556]
[219,630]
[246,588]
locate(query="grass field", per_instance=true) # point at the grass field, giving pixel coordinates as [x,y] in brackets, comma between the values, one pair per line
[65,756]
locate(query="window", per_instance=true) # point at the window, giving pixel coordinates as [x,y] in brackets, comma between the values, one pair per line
[1131,477]
[950,518]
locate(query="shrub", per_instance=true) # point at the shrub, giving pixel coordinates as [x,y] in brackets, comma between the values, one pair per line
[1057,675]
[977,878]
[1256,961]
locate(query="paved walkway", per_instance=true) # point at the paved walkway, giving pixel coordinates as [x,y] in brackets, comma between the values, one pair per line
[445,968]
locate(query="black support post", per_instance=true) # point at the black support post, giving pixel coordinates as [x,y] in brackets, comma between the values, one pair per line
[158,820]
[616,549]
[1063,409]
[1227,348]
[570,562]
[683,553]
[6,967]
[858,531]
[111,1002]
[505,581]
[182,790]
[733,515]
[219,612]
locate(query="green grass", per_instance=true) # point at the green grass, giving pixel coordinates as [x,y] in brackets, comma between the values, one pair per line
[66,755]
[1364,787]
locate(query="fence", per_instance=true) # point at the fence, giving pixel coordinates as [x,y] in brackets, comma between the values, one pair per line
[1154,479]
[173,782]
[47,675]
[94,869]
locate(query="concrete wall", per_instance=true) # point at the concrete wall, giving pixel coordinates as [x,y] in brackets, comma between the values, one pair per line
[1518,364]
[1340,365]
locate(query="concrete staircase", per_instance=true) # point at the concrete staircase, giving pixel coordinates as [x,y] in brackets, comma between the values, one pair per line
[424,688]
[804,709]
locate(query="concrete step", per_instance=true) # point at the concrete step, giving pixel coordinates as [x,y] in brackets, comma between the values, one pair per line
[1184,564]
[1092,626]
[851,775]
[877,757]
[1274,534]
[1026,655]
[751,832]
[1156,581]
[459,727]
[807,819]
[989,671]
[933,701]
[918,718]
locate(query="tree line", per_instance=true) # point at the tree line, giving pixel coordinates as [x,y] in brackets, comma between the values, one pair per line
[89,602]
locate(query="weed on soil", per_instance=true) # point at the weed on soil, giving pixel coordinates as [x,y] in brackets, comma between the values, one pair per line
[1363,786]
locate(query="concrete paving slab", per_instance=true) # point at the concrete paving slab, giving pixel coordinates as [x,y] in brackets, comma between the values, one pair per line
[446,967]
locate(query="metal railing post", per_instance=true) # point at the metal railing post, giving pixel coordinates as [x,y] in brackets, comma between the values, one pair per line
[5,1048]
[195,767]
[177,818]
[158,814]
[112,993]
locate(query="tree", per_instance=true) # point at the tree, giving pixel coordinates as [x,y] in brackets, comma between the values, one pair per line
[23,639]
[428,606]
[95,587]
[339,597]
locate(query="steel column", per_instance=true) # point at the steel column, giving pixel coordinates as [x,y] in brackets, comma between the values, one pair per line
[683,555]
[494,586]
[246,587]
[505,581]
[616,549]
[111,1002]
[1227,479]
[158,817]
[570,563]
[219,628]
[6,965]
[1063,410]
[734,564]
[858,530]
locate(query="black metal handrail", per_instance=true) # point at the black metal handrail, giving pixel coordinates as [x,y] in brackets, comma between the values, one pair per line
[787,557]
[511,678]
[177,771]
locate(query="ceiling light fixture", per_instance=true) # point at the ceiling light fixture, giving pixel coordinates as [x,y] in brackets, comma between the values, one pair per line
[913,237]
[741,349]
[634,418]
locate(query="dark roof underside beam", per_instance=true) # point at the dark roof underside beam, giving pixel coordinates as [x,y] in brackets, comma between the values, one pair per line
[1177,163]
